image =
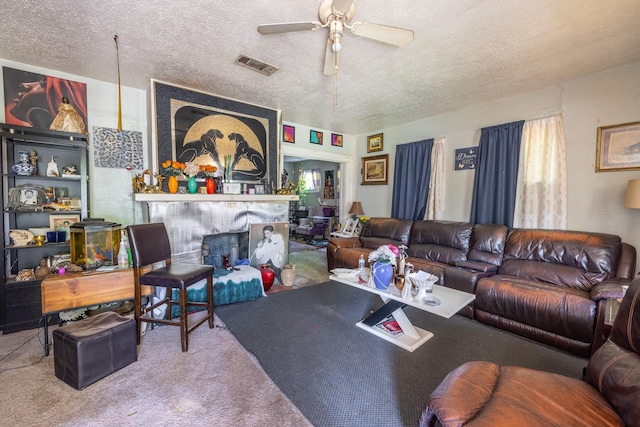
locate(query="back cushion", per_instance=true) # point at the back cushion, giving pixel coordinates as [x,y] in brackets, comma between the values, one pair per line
[568,258]
[487,243]
[442,241]
[385,231]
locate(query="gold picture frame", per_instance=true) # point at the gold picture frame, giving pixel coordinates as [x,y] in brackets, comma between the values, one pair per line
[374,143]
[375,170]
[618,147]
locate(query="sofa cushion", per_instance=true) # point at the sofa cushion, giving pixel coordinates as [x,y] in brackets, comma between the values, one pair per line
[569,258]
[561,311]
[443,241]
[487,243]
[385,231]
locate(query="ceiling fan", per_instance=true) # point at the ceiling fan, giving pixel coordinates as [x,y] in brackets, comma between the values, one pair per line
[336,15]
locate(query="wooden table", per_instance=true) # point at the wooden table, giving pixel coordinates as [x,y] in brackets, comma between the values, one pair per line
[84,289]
[411,336]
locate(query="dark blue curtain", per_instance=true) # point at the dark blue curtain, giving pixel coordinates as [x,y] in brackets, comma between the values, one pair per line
[411,176]
[494,189]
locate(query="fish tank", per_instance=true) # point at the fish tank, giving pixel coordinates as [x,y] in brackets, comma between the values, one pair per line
[94,243]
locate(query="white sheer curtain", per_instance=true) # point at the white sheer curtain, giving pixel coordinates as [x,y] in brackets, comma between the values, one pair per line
[436,203]
[541,194]
[317,183]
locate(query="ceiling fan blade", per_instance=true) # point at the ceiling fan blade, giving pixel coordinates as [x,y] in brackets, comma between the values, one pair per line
[288,27]
[342,6]
[331,60]
[383,33]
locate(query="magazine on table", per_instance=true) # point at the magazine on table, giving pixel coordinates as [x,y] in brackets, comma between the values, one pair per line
[390,325]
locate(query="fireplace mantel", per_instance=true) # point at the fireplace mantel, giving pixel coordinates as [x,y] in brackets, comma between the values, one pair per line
[165,197]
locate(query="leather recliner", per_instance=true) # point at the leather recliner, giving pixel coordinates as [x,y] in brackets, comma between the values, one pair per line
[485,394]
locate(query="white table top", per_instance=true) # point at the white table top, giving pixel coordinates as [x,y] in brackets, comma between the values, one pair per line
[452,300]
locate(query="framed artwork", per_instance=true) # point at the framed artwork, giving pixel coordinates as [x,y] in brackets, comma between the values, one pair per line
[315,137]
[269,244]
[289,134]
[259,188]
[239,138]
[336,140]
[29,196]
[618,147]
[328,185]
[375,170]
[33,99]
[350,226]
[63,222]
[374,143]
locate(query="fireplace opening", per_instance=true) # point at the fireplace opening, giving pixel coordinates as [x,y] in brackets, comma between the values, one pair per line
[214,246]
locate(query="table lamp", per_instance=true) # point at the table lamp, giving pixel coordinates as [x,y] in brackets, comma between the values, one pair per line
[356,209]
[632,197]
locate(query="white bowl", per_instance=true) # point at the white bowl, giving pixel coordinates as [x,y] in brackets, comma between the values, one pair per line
[39,231]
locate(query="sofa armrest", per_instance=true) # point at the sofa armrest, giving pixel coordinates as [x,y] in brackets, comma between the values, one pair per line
[345,242]
[611,288]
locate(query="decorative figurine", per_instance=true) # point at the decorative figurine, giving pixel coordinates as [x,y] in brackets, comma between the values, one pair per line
[42,270]
[68,119]
[52,168]
[33,158]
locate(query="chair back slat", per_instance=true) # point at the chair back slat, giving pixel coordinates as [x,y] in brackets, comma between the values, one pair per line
[149,243]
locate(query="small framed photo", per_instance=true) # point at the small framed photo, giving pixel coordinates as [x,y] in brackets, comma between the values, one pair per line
[259,188]
[618,147]
[63,222]
[350,226]
[375,170]
[29,196]
[74,203]
[336,140]
[374,143]
[315,137]
[289,134]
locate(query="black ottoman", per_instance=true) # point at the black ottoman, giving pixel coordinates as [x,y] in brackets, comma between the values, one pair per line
[90,349]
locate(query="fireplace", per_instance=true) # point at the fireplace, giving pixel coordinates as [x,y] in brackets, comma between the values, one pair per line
[193,217]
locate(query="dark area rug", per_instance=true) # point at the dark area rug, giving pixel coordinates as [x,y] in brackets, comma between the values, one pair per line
[340,375]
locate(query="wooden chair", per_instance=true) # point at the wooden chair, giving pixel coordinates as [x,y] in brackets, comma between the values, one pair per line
[150,245]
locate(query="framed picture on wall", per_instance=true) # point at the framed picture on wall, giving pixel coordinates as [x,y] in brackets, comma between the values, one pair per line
[374,143]
[375,170]
[336,140]
[289,134]
[315,137]
[618,147]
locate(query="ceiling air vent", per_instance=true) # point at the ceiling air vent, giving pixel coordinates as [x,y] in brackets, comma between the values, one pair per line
[254,64]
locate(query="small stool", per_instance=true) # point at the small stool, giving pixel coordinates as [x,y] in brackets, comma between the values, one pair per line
[88,350]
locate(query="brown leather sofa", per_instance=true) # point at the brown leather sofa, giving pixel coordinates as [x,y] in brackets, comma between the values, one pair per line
[485,394]
[547,285]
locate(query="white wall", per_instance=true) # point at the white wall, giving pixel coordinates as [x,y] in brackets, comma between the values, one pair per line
[595,199]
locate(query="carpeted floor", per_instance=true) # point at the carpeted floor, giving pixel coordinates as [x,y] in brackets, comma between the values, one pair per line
[340,375]
[215,383]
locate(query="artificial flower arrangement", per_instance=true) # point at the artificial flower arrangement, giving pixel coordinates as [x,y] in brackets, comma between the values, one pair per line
[385,253]
[208,171]
[173,168]
[191,169]
[364,219]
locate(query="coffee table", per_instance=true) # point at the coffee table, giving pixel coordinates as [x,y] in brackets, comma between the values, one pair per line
[411,336]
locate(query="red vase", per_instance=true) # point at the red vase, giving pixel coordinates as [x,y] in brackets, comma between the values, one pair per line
[268,276]
[211,185]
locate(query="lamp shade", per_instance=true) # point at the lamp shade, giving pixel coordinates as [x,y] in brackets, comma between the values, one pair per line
[356,209]
[632,198]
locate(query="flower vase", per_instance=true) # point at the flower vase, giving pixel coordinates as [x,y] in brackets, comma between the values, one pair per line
[288,274]
[172,184]
[268,276]
[382,272]
[192,185]
[24,166]
[211,185]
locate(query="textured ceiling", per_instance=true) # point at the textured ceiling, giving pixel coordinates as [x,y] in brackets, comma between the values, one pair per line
[465,52]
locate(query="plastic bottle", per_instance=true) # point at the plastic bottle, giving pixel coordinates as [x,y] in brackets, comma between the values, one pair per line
[361,263]
[123,256]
